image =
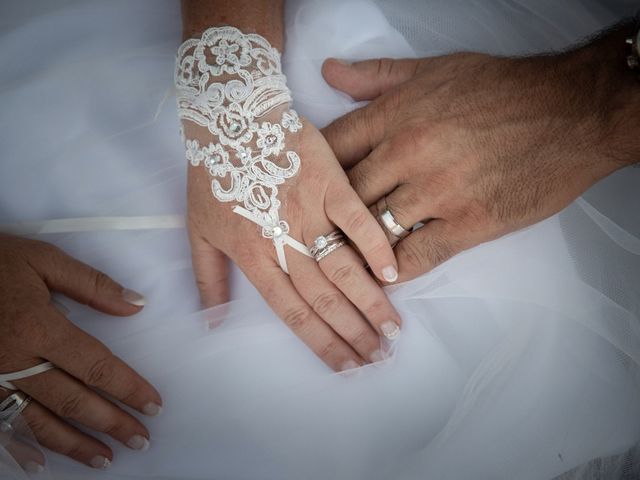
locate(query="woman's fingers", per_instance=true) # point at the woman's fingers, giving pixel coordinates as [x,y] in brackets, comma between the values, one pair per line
[88,360]
[334,308]
[346,210]
[277,289]
[29,458]
[67,398]
[53,433]
[211,270]
[345,269]
[77,280]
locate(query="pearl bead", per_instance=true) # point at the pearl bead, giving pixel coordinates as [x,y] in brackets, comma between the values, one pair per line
[235,127]
[277,231]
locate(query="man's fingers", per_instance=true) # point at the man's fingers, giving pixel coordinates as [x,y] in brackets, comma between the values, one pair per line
[426,248]
[77,280]
[346,210]
[334,308]
[354,135]
[376,175]
[88,360]
[277,289]
[408,205]
[69,399]
[58,436]
[368,79]
[211,270]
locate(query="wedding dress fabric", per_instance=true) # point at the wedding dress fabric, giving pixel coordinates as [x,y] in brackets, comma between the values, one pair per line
[519,359]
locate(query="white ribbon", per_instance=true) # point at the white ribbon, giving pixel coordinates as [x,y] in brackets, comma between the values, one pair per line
[279,241]
[6,378]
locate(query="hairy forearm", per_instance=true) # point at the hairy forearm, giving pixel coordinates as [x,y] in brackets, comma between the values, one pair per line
[265,17]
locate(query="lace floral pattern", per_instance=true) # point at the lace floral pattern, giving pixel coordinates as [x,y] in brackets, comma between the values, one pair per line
[225,81]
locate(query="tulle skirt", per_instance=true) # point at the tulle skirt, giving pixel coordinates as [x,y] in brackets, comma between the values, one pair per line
[519,359]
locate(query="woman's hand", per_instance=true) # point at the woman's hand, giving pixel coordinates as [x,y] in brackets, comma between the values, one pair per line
[34,331]
[335,306]
[474,146]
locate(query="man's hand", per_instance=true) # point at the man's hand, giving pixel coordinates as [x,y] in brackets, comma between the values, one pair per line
[33,330]
[477,146]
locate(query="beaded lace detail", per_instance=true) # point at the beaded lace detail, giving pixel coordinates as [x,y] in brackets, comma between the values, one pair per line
[225,81]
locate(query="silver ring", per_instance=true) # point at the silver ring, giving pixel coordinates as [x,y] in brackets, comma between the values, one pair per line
[389,222]
[11,407]
[326,244]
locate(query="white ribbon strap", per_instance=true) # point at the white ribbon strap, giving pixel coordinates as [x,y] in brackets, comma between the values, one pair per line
[7,378]
[280,236]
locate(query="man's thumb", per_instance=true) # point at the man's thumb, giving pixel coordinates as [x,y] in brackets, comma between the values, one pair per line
[368,79]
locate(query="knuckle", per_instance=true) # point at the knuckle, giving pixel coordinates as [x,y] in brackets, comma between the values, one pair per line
[326,303]
[375,308]
[100,373]
[356,220]
[360,337]
[71,405]
[72,450]
[297,318]
[343,275]
[328,349]
[99,280]
[412,255]
[113,427]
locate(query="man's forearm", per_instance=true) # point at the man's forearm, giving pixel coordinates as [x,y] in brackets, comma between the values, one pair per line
[265,17]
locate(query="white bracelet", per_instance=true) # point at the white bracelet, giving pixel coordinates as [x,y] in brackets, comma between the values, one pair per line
[225,81]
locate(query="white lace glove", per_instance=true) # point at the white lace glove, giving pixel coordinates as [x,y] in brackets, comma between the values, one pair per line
[251,150]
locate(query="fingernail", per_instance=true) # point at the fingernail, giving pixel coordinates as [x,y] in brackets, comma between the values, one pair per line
[377,356]
[138,442]
[100,462]
[152,409]
[343,62]
[349,365]
[390,274]
[134,298]
[33,467]
[390,329]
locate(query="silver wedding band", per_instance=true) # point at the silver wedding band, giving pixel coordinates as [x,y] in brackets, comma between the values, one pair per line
[389,222]
[10,408]
[324,245]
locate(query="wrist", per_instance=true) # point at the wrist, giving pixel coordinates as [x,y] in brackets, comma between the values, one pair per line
[613,93]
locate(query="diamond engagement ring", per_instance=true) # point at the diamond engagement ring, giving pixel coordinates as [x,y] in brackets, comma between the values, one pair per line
[326,244]
[10,408]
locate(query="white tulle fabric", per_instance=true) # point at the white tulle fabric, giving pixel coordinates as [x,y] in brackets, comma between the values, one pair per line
[519,359]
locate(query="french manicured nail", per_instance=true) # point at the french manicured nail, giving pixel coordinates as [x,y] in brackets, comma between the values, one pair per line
[138,442]
[390,329]
[33,467]
[152,409]
[390,274]
[134,298]
[100,462]
[349,365]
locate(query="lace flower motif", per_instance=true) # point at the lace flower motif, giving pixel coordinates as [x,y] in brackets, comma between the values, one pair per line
[270,139]
[291,121]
